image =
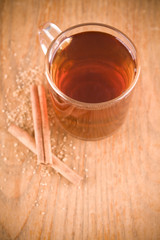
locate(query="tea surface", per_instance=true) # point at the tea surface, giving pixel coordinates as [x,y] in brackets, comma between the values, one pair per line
[92,67]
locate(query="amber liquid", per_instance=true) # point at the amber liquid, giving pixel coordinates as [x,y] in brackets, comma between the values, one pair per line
[91,67]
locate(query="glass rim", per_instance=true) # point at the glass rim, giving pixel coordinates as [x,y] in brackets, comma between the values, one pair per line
[99,105]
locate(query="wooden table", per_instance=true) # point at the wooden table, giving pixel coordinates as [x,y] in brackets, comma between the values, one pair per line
[119,197]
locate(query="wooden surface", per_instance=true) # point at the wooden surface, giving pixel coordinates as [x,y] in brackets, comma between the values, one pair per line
[120,195]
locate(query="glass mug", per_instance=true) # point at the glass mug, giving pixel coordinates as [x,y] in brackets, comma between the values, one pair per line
[92,70]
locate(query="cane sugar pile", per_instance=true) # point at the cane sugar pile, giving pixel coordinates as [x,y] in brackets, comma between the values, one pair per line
[17,102]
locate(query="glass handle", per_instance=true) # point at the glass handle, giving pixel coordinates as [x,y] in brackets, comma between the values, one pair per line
[47,34]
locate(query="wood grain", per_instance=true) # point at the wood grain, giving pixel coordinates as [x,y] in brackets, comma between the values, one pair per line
[120,195]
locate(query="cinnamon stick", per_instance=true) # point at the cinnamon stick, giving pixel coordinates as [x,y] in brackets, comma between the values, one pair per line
[45,124]
[37,122]
[57,164]
[23,137]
